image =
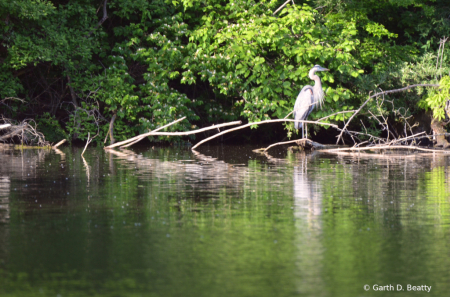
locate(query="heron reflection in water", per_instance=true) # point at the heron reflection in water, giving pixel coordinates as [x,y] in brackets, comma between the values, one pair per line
[306,189]
[307,194]
[307,212]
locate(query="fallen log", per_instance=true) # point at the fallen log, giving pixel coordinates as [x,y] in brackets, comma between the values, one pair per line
[13,131]
[304,143]
[386,147]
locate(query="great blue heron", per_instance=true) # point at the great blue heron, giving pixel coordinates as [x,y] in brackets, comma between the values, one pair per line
[308,98]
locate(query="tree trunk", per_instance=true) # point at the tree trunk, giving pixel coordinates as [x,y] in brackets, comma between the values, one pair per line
[111,128]
[75,104]
[438,129]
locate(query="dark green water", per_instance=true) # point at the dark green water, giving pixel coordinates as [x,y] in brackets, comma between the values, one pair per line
[223,221]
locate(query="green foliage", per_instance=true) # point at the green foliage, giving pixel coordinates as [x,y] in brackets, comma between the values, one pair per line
[244,52]
[9,85]
[84,121]
[51,128]
[398,106]
[152,62]
[28,9]
[437,98]
[419,22]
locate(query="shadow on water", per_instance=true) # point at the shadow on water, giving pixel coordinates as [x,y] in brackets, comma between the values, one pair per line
[221,221]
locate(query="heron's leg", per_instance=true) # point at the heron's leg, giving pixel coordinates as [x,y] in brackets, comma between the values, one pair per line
[306,130]
[303,132]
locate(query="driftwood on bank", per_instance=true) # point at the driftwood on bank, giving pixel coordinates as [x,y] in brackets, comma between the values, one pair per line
[25,132]
[13,131]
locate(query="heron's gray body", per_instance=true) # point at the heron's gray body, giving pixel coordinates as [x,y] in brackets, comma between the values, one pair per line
[308,98]
[304,105]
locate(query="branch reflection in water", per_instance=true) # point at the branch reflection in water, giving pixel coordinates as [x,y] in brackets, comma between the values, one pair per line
[203,172]
[307,222]
[15,165]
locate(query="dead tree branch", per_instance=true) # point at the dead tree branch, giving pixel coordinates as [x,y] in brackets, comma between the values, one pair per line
[385,147]
[298,142]
[87,143]
[153,133]
[378,94]
[25,132]
[58,144]
[156,130]
[345,111]
[138,138]
[281,7]
[111,129]
[258,123]
[104,18]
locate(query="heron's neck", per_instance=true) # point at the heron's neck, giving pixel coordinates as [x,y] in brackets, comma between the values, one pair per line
[318,92]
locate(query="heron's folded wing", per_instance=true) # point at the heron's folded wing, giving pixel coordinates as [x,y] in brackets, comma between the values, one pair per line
[304,104]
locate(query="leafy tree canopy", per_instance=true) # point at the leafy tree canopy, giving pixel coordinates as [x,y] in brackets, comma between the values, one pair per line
[151,62]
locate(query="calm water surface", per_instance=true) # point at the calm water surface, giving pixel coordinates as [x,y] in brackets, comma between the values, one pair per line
[223,221]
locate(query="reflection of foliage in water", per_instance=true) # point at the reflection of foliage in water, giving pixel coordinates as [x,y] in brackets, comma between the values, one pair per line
[170,222]
[141,227]
[398,211]
[436,195]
